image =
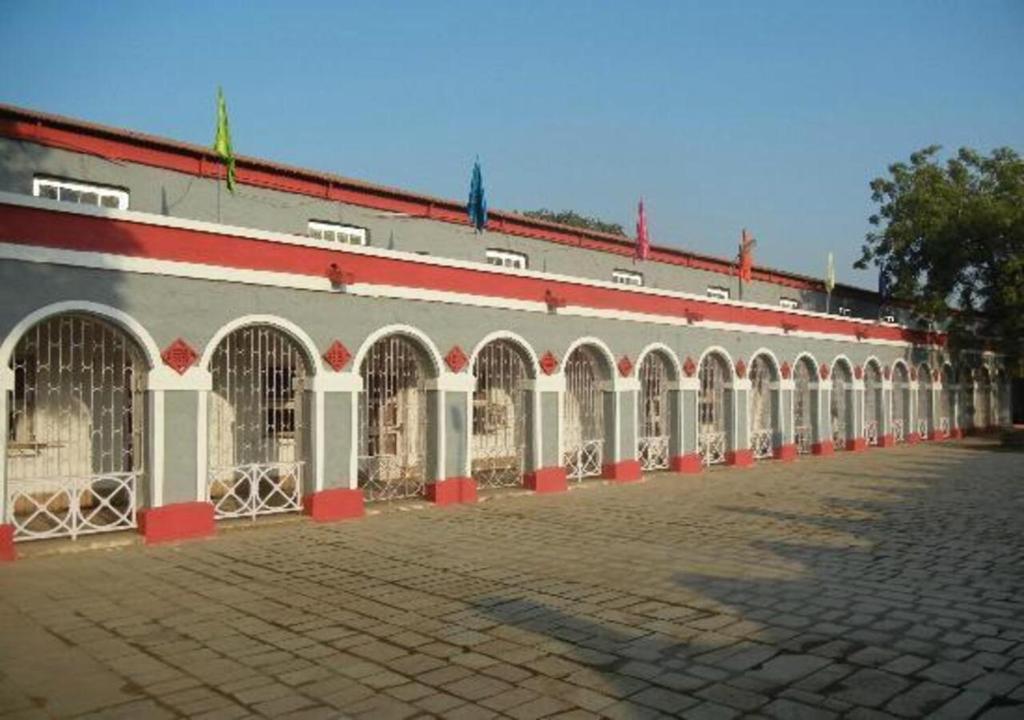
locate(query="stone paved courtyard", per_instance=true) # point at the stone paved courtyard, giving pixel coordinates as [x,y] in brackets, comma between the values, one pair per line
[866,586]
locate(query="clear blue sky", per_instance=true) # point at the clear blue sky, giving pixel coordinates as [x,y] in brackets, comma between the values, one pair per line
[769,115]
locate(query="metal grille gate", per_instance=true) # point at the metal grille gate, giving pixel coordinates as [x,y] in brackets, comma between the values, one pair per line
[762,408]
[803,408]
[584,416]
[872,402]
[711,432]
[946,402]
[499,416]
[924,401]
[257,423]
[840,405]
[393,420]
[900,391]
[654,420]
[75,429]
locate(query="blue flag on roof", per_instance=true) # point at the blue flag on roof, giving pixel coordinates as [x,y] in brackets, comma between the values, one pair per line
[884,287]
[477,205]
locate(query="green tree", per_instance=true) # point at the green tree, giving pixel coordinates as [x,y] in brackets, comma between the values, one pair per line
[568,217]
[950,238]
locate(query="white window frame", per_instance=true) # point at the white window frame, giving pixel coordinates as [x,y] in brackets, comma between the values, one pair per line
[336,232]
[101,191]
[889,318]
[789,303]
[628,277]
[719,293]
[844,311]
[507,259]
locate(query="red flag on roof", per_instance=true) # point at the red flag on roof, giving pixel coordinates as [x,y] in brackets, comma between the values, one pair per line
[746,261]
[643,242]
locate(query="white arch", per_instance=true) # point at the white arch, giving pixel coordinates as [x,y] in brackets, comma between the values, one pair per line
[927,380]
[849,365]
[408,331]
[896,364]
[123,320]
[511,337]
[297,333]
[609,356]
[873,359]
[776,365]
[666,351]
[724,353]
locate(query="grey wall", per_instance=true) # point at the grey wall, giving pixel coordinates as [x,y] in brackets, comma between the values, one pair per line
[164,192]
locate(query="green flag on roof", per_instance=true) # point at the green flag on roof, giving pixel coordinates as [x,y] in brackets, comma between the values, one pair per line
[222,143]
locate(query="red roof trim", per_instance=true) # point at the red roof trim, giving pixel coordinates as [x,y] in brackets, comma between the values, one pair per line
[118,144]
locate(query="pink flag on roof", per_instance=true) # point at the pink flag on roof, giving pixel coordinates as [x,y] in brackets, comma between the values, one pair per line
[643,242]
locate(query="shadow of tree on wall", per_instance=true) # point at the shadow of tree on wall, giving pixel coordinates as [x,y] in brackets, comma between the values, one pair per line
[913,604]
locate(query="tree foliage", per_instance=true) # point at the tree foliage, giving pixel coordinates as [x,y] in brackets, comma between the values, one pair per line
[950,238]
[568,217]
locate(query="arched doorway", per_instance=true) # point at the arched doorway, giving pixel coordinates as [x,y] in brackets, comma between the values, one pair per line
[583,422]
[500,409]
[393,449]
[804,405]
[76,429]
[947,402]
[258,423]
[924,401]
[872,402]
[655,430]
[712,430]
[983,403]
[900,402]
[841,405]
[765,422]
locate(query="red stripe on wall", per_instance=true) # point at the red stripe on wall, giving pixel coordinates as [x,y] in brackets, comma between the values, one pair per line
[31,226]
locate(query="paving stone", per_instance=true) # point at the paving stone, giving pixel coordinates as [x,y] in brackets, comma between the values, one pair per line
[871,688]
[952,673]
[786,709]
[921,700]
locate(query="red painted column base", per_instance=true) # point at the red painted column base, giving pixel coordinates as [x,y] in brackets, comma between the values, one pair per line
[334,504]
[7,553]
[913,439]
[178,521]
[956,433]
[739,458]
[546,480]
[857,444]
[936,435]
[452,491]
[622,472]
[686,464]
[886,441]
[786,453]
[822,448]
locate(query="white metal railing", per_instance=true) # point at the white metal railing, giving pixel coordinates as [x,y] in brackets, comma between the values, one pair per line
[898,435]
[761,443]
[68,507]
[653,452]
[391,477]
[803,438]
[871,432]
[255,489]
[838,434]
[496,466]
[944,427]
[584,460]
[711,446]
[922,429]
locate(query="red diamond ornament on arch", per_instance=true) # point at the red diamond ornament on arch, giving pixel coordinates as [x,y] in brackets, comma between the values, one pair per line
[337,356]
[625,366]
[179,356]
[548,363]
[456,359]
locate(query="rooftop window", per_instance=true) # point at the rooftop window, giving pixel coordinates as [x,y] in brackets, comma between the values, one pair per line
[506,258]
[719,293]
[627,277]
[81,193]
[336,232]
[789,303]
